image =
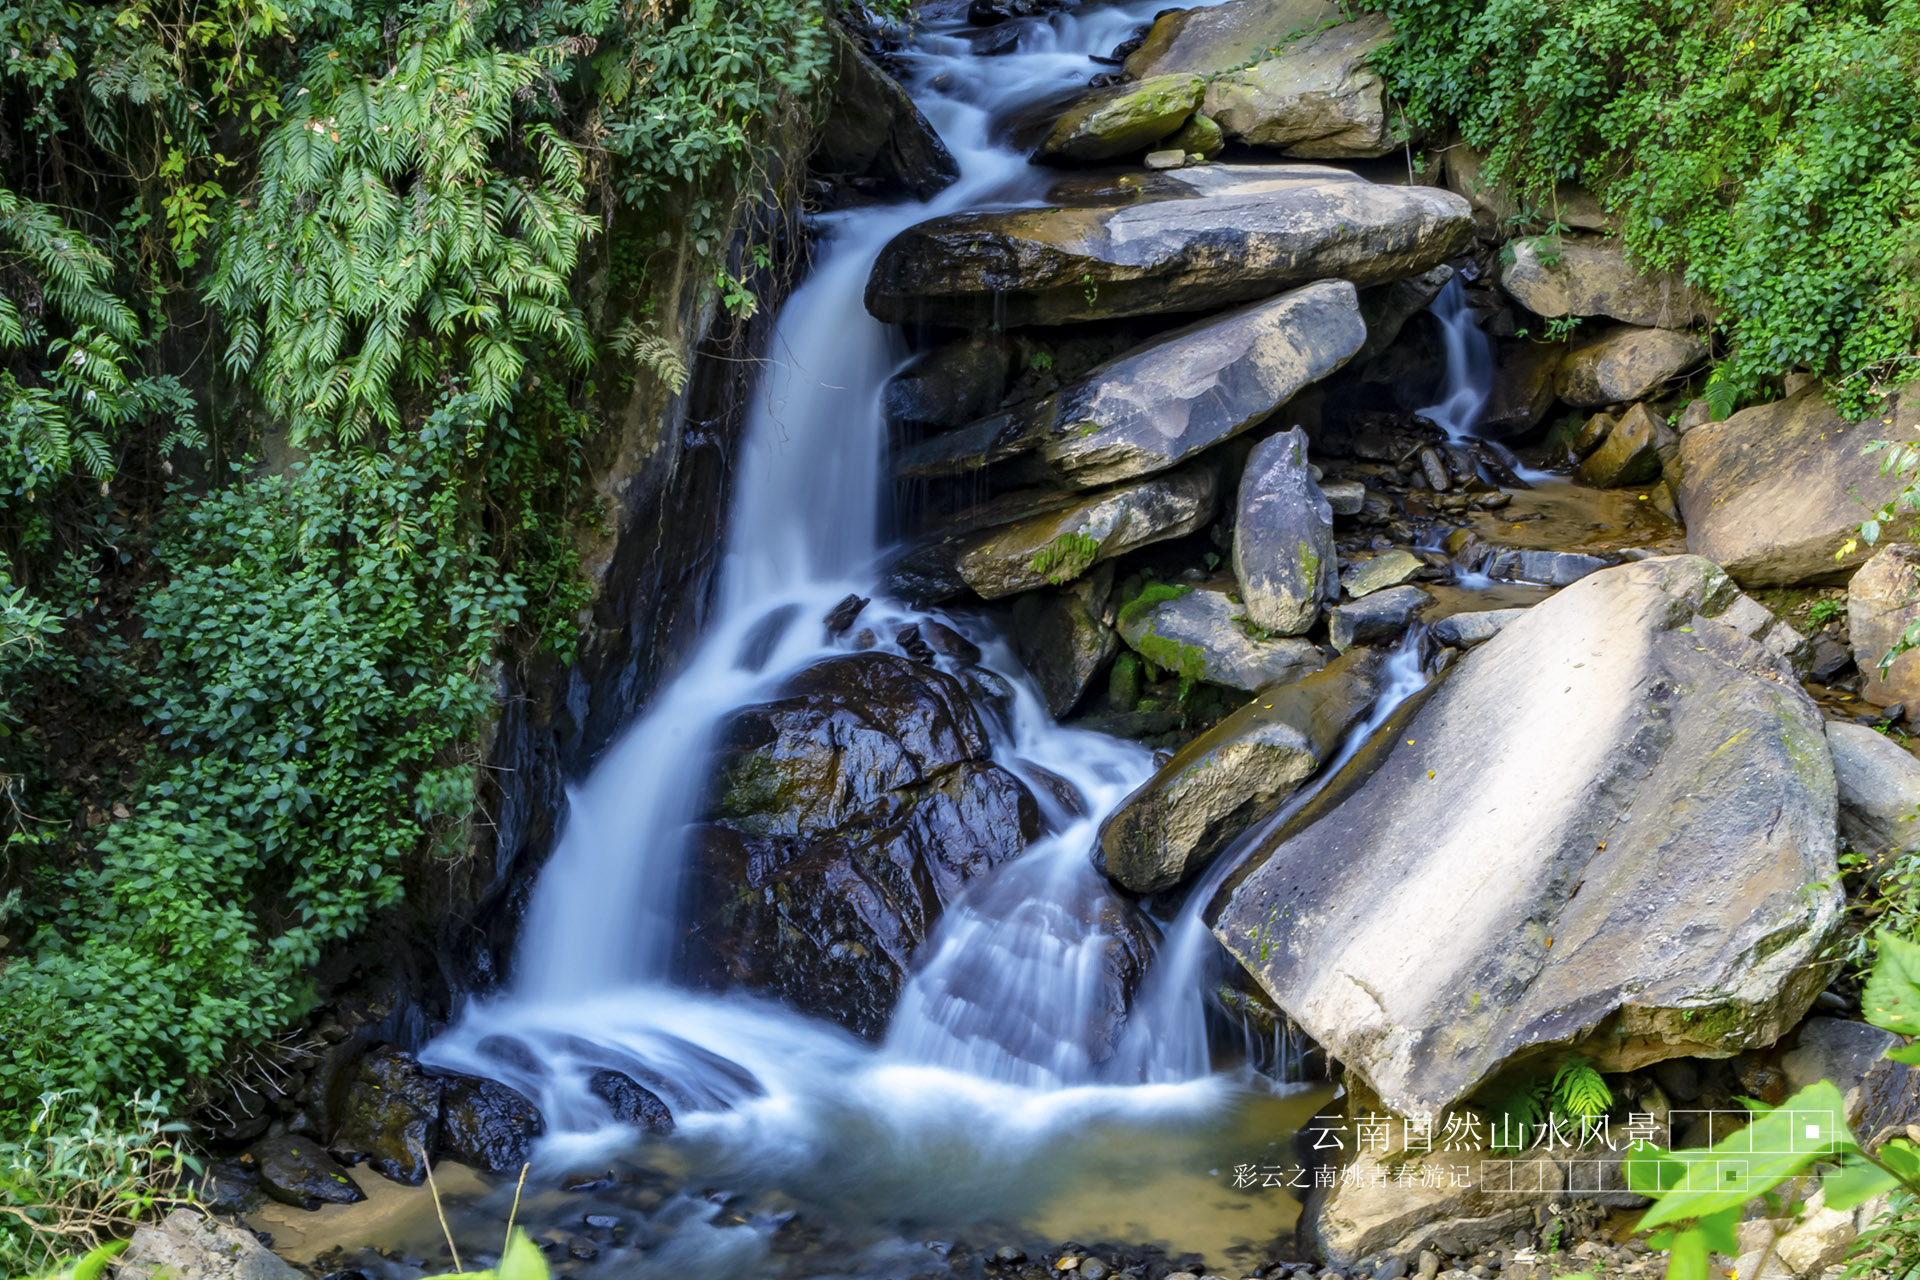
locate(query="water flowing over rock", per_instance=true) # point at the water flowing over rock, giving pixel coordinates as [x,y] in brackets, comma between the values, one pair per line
[1317,98]
[1233,775]
[1163,402]
[874,136]
[1283,552]
[1196,239]
[1199,634]
[1381,618]
[847,814]
[1883,599]
[1589,276]
[1773,492]
[1121,119]
[1215,38]
[1054,549]
[1610,828]
[1626,364]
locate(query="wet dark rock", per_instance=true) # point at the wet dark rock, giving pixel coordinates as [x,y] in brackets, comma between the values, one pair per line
[1548,568]
[844,614]
[952,385]
[1381,618]
[227,1186]
[487,1126]
[1065,637]
[848,813]
[391,1117]
[295,1170]
[631,1102]
[1522,388]
[873,135]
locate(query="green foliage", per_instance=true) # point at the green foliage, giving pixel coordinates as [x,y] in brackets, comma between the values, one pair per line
[1065,558]
[1701,1196]
[1889,1249]
[1772,152]
[1573,1092]
[72,1177]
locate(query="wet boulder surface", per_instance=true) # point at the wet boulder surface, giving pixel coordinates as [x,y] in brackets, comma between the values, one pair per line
[1610,829]
[847,814]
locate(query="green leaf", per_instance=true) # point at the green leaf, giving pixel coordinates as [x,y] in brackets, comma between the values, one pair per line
[1857,1182]
[1778,1144]
[1892,995]
[95,1264]
[1687,1257]
[522,1260]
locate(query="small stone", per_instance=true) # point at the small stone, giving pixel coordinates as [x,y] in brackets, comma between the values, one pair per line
[842,615]
[1093,1269]
[1379,619]
[1429,1264]
[1173,158]
[1347,497]
[584,1250]
[1391,1269]
[1010,1256]
[602,1222]
[1388,569]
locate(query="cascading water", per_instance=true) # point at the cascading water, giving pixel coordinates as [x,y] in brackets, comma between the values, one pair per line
[1469,376]
[983,1100]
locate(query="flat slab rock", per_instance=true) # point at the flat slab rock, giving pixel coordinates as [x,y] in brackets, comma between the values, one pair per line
[1192,239]
[1611,827]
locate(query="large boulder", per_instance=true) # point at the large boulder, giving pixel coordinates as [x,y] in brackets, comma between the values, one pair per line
[1879,793]
[1774,492]
[847,813]
[1610,829]
[1883,600]
[1216,38]
[873,136]
[1203,634]
[1065,637]
[1188,240]
[1233,775]
[1879,1093]
[1589,276]
[1121,119]
[187,1245]
[1283,551]
[391,1117]
[1631,453]
[296,1170]
[1625,363]
[1055,548]
[1317,98]
[486,1125]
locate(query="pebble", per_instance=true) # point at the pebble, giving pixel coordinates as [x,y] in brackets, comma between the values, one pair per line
[1391,1269]
[1011,1256]
[1429,1264]
[1093,1269]
[604,1221]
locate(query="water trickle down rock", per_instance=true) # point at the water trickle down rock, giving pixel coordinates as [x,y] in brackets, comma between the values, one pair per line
[1190,240]
[847,814]
[1283,551]
[1611,828]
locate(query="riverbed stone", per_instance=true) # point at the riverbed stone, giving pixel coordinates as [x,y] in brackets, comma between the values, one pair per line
[1573,205]
[1065,637]
[187,1245]
[1217,38]
[391,1117]
[1631,453]
[1774,492]
[1625,363]
[1547,568]
[1055,548]
[1233,775]
[296,1170]
[1388,569]
[1879,793]
[1466,630]
[1201,634]
[631,1102]
[1535,864]
[487,1126]
[1317,97]
[873,135]
[1283,553]
[1883,600]
[1121,119]
[1591,276]
[847,813]
[1382,618]
[1191,240]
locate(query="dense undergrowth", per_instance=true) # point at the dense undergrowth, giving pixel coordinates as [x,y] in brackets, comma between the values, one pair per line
[1771,151]
[237,701]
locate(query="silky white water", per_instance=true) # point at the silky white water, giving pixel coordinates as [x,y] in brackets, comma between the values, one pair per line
[983,1086]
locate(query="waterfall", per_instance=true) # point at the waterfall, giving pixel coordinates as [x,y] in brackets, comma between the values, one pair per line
[1469,377]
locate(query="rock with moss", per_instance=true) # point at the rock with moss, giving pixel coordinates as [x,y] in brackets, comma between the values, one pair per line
[390,1117]
[1121,120]
[1388,569]
[1776,493]
[1233,775]
[1624,364]
[296,1170]
[1610,829]
[1204,634]
[1190,240]
[1556,276]
[847,813]
[1168,399]
[1199,136]
[1055,548]
[1317,97]
[1065,637]
[1283,553]
[1215,39]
